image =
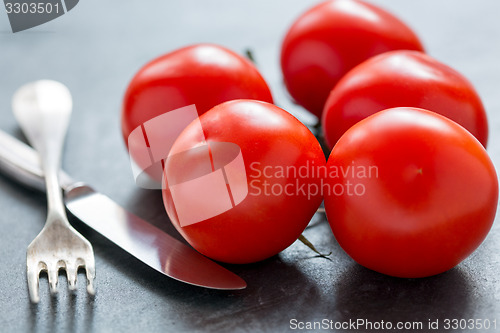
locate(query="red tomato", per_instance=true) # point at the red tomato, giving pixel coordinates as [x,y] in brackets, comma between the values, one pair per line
[423,193]
[331,38]
[403,78]
[202,74]
[281,158]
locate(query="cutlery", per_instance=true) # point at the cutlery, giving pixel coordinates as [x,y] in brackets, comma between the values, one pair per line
[149,244]
[43,109]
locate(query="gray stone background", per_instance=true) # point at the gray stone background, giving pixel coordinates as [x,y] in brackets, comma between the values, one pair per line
[95,49]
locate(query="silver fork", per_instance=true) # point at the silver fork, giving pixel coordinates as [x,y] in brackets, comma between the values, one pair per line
[43,109]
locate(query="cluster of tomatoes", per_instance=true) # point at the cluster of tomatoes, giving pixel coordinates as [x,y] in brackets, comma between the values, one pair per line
[408,188]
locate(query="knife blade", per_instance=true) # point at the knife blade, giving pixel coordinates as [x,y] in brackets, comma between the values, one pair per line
[149,244]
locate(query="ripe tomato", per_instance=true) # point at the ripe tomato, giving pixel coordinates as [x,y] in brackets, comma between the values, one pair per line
[202,74]
[403,78]
[331,38]
[281,160]
[423,193]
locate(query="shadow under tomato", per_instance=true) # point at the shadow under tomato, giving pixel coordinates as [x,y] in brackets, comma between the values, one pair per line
[276,292]
[365,294]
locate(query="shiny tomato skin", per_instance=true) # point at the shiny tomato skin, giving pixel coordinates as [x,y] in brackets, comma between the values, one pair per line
[428,206]
[264,223]
[201,74]
[403,78]
[331,38]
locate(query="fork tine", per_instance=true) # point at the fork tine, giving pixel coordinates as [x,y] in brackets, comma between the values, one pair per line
[33,285]
[90,269]
[52,273]
[89,264]
[71,273]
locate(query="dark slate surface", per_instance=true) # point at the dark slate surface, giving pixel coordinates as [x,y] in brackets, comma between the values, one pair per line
[95,49]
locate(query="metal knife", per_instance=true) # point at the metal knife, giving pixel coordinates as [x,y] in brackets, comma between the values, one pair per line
[141,239]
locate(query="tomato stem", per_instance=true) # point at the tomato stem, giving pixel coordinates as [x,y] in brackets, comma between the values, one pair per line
[307,243]
[250,56]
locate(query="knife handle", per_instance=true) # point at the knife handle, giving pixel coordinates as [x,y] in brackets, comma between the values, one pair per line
[21,162]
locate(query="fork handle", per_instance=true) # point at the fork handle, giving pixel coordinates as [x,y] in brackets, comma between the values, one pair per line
[47,136]
[50,166]
[49,144]
[46,127]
